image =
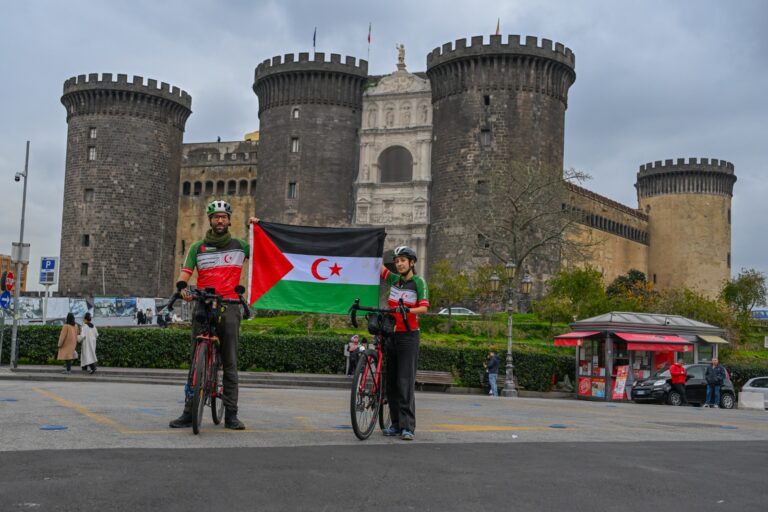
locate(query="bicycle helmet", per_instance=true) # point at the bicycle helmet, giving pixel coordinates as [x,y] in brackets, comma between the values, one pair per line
[219,207]
[406,251]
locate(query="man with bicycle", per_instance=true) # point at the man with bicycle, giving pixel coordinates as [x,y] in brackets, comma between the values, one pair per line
[403,355]
[218,259]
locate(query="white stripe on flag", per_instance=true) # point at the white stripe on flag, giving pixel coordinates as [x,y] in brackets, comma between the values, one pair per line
[347,270]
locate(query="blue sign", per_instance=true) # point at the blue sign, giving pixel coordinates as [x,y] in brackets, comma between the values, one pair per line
[5,299]
[48,264]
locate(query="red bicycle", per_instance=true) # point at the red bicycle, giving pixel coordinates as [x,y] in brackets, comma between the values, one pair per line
[368,401]
[204,381]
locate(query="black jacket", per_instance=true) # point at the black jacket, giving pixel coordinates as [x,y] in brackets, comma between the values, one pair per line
[715,375]
[493,365]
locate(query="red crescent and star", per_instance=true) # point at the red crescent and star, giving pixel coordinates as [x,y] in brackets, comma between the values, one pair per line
[335,269]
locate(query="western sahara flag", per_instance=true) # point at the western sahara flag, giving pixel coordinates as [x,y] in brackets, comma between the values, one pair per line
[318,270]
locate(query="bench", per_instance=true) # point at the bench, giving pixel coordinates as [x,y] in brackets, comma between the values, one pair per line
[444,379]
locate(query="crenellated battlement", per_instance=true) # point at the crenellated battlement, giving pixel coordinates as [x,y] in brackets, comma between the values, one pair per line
[302,62]
[532,46]
[692,164]
[708,176]
[105,81]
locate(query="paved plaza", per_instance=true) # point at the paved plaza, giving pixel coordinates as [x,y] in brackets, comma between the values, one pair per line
[299,453]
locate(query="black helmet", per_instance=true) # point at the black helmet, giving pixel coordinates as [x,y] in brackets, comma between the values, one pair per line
[406,251]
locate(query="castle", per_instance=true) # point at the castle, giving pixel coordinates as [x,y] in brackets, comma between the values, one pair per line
[412,152]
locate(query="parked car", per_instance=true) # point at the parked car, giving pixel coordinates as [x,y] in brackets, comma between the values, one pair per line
[658,388]
[758,385]
[457,311]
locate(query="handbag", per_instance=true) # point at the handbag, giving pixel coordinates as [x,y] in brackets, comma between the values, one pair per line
[74,354]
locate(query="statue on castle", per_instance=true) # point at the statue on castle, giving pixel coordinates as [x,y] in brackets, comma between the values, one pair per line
[400,56]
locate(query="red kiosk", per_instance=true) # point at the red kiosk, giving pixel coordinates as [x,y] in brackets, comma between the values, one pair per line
[615,349]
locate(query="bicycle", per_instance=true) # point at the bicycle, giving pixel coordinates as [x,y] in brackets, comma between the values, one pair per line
[204,382]
[368,399]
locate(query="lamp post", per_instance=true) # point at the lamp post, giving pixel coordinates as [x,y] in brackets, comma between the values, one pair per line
[19,255]
[510,388]
[525,290]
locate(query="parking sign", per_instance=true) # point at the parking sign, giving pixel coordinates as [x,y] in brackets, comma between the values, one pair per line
[48,270]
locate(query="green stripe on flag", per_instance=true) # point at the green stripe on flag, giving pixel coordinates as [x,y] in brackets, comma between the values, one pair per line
[317,297]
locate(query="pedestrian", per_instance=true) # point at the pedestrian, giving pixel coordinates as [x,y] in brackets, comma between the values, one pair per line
[346,358]
[68,343]
[148,318]
[492,368]
[354,352]
[715,377]
[88,336]
[677,371]
[140,318]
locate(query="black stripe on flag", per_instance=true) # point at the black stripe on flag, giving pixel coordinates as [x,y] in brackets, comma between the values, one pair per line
[350,242]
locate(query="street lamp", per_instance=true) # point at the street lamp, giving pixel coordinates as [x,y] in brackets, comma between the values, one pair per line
[20,255]
[510,389]
[525,289]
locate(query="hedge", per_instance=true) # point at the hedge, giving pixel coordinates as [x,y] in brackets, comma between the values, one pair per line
[170,348]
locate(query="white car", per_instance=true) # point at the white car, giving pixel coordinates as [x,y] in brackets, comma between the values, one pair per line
[758,385]
[457,312]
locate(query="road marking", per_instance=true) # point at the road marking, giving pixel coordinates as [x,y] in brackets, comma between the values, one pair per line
[82,410]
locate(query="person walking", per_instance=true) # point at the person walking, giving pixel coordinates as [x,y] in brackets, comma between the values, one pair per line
[677,371]
[88,336]
[715,377]
[354,353]
[68,343]
[492,367]
[346,358]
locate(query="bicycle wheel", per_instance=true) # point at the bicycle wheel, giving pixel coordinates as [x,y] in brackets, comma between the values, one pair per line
[198,387]
[365,399]
[217,402]
[385,420]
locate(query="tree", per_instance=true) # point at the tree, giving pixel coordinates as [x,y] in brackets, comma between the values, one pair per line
[447,286]
[574,294]
[523,217]
[745,292]
[634,280]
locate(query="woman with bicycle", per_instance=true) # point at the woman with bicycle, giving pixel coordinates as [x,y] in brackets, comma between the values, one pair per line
[403,355]
[218,260]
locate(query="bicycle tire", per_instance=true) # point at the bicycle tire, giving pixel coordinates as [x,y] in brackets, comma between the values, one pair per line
[385,420]
[365,399]
[217,402]
[198,387]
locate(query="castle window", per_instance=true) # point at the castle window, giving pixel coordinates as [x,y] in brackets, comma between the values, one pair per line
[487,100]
[183,247]
[654,278]
[185,188]
[208,188]
[220,188]
[233,156]
[86,240]
[253,188]
[485,137]
[483,241]
[481,187]
[293,192]
[88,195]
[231,187]
[198,188]
[84,269]
[91,153]
[396,165]
[295,113]
[294,144]
[729,216]
[729,260]
[242,190]
[92,133]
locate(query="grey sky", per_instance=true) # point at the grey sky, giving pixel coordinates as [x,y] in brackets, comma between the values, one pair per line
[655,80]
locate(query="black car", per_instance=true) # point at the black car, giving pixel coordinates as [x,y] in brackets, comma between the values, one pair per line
[658,388]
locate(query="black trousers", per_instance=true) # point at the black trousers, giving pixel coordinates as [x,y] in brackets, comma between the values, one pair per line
[401,379]
[680,388]
[229,337]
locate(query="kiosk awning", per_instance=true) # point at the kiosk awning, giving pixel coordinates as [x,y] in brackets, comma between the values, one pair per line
[573,339]
[655,342]
[713,339]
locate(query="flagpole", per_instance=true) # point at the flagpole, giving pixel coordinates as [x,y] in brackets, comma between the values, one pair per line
[369,44]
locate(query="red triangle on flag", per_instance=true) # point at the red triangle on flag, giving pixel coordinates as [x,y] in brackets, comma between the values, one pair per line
[268,264]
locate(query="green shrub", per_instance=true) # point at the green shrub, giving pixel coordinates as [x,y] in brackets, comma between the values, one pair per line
[170,348]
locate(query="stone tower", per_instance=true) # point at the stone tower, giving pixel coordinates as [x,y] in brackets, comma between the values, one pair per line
[121,185]
[309,119]
[495,105]
[689,222]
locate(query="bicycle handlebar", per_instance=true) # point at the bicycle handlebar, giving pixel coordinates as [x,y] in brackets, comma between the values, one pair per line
[355,307]
[202,295]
